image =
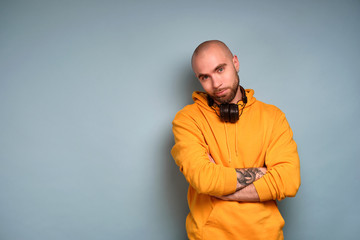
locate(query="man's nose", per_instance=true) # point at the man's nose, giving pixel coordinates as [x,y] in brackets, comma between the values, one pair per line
[216,82]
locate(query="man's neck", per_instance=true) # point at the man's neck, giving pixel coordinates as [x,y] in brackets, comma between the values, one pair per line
[238,96]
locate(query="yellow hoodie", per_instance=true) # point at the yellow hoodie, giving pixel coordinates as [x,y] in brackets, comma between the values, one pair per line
[261,137]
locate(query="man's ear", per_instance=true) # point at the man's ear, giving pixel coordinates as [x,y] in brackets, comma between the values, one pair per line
[236,63]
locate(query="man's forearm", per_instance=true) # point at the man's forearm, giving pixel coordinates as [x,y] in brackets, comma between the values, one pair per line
[246,194]
[245,176]
[246,191]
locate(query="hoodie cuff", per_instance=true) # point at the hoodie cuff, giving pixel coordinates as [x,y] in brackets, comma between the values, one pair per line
[263,190]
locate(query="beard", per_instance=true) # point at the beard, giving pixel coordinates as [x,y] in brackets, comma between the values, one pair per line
[228,98]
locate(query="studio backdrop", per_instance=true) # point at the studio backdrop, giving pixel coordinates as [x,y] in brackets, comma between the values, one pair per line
[88,90]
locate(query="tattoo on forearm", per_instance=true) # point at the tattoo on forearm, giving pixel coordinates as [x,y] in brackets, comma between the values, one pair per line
[247,176]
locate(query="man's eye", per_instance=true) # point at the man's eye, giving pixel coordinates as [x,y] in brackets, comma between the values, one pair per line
[220,69]
[204,77]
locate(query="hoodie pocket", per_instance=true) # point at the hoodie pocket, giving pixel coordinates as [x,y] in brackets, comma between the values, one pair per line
[233,220]
[212,219]
[212,226]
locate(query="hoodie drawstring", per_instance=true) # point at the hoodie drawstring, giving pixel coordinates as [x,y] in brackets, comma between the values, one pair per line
[236,138]
[227,142]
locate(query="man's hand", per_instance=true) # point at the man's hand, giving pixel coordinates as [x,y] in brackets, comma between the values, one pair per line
[246,176]
[211,159]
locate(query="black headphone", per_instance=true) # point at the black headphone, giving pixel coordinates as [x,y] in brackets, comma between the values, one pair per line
[229,112]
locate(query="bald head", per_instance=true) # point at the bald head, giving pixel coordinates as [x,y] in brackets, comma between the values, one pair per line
[209,46]
[216,68]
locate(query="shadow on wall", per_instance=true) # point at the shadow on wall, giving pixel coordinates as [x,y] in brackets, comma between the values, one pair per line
[288,210]
[185,84]
[176,192]
[176,185]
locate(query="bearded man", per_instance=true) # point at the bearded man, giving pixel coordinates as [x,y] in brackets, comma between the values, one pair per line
[237,153]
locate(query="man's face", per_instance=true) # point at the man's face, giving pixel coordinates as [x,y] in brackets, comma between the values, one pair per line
[217,73]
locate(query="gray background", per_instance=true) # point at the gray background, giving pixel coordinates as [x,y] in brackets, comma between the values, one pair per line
[88,90]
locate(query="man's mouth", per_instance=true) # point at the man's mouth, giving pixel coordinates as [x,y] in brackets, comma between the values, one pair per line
[220,92]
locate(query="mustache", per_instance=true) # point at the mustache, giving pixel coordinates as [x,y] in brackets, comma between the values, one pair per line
[219,90]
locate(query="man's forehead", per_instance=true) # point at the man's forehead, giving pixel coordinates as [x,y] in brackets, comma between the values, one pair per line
[209,60]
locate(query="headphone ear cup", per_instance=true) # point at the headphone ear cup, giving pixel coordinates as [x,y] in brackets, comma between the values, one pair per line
[229,112]
[224,112]
[233,113]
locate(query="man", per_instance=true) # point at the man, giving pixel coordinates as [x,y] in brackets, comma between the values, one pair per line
[237,154]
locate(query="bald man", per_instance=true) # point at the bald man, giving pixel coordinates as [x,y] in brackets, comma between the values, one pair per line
[237,153]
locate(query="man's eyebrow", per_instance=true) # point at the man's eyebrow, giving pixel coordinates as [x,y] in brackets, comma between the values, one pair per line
[201,75]
[217,68]
[220,66]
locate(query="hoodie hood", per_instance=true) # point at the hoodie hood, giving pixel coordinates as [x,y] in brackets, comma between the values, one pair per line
[200,98]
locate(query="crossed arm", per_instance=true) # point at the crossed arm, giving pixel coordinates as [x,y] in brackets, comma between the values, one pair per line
[245,190]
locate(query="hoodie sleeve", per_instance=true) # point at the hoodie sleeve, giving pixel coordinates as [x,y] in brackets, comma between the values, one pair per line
[282,162]
[190,153]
